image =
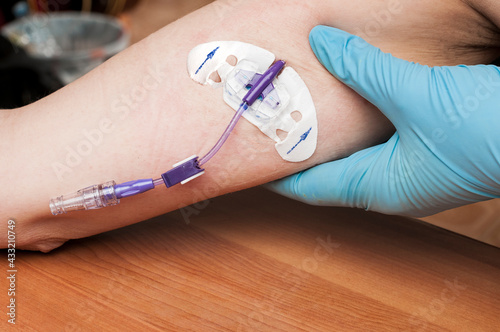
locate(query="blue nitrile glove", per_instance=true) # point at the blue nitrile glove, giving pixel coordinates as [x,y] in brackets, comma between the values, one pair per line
[445,153]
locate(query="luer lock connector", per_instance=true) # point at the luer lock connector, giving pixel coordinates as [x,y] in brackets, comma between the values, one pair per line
[90,198]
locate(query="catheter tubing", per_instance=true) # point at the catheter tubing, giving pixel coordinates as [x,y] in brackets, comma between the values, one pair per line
[255,92]
[224,137]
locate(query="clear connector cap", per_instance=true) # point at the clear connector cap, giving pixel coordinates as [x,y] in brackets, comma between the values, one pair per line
[90,198]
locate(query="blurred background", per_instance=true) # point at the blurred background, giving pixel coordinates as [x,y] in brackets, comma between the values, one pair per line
[45,44]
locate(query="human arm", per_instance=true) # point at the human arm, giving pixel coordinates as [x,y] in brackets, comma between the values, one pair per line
[144,139]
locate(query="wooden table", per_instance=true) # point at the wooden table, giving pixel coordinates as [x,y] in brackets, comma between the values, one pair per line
[255,261]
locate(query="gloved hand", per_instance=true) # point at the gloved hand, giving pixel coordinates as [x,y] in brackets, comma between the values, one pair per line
[445,153]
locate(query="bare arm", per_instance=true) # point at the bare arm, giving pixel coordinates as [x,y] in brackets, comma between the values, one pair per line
[139,113]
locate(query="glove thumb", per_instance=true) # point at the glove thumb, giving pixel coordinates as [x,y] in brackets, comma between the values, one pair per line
[356,181]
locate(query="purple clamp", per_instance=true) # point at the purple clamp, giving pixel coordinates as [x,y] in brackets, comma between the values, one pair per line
[263,82]
[183,172]
[132,188]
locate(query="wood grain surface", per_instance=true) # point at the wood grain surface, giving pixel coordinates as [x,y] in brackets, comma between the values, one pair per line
[254,261]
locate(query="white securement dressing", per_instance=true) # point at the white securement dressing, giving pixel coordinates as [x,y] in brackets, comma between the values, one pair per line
[285,112]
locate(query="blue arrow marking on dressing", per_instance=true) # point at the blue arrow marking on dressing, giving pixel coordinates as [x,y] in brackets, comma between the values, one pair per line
[302,138]
[209,57]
